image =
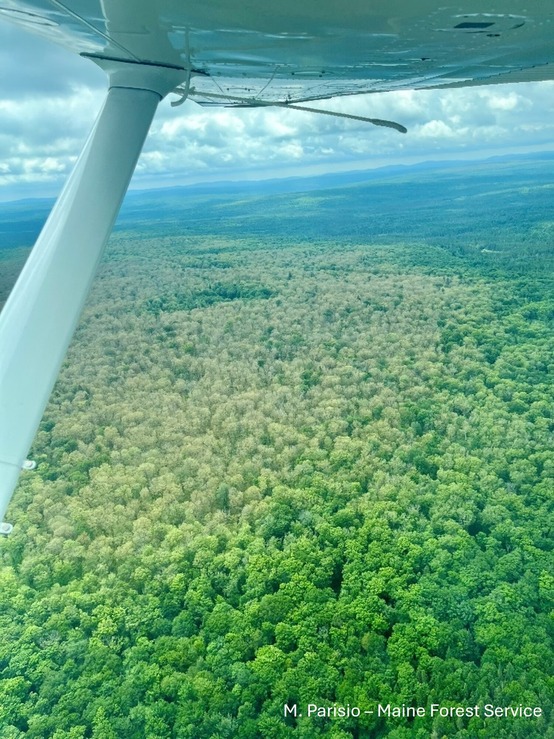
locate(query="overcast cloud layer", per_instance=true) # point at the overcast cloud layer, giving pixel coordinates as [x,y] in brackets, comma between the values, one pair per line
[49,99]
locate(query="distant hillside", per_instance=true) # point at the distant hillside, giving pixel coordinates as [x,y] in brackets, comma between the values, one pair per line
[389,201]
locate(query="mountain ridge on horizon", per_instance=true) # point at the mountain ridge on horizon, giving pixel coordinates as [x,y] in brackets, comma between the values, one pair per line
[22,220]
[354,176]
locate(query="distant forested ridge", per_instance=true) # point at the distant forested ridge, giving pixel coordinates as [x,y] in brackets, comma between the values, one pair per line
[301,452]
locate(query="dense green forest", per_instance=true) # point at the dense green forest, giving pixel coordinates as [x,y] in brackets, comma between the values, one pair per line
[300,453]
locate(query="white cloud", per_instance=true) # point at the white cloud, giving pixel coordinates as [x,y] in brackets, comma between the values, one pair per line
[511,101]
[436,130]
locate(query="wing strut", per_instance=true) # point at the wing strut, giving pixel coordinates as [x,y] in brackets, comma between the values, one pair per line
[242,102]
[42,311]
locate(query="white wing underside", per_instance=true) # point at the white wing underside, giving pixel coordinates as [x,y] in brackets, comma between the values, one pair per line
[314,49]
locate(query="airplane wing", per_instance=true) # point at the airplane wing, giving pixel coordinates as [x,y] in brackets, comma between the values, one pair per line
[311,49]
[219,52]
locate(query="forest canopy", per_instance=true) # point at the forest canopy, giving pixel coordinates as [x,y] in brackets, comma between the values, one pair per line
[296,460]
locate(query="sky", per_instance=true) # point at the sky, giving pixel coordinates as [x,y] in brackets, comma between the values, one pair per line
[50,97]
